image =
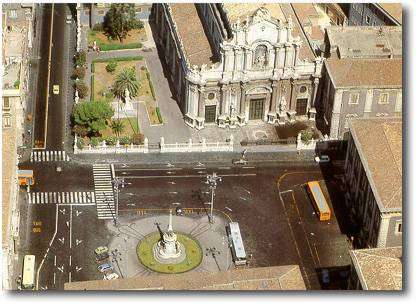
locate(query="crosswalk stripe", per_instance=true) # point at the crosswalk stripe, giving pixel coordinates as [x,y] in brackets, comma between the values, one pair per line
[49,155]
[68,198]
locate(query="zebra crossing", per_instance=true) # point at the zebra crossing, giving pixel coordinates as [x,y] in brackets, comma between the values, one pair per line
[104,195]
[48,156]
[66,198]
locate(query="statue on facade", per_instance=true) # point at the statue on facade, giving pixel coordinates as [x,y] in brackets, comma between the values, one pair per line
[260,58]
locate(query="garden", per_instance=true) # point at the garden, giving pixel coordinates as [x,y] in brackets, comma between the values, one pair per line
[119,30]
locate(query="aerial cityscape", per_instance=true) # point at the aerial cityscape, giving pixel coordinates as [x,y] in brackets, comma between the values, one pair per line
[202,146]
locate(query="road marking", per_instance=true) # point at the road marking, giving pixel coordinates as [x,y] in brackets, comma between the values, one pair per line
[50,243]
[189,176]
[70,230]
[224,167]
[151,169]
[54,261]
[67,198]
[248,167]
[54,278]
[78,268]
[69,277]
[70,260]
[199,168]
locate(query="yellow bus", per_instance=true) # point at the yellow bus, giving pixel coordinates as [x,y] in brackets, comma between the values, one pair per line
[319,201]
[28,281]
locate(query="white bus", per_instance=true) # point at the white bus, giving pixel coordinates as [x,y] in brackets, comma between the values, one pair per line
[237,247]
[28,281]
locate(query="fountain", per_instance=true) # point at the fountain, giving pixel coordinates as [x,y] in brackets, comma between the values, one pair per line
[168,249]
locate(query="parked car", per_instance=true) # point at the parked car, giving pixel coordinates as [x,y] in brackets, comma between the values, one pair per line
[322,159]
[112,276]
[68,19]
[56,89]
[101,250]
[325,276]
[105,267]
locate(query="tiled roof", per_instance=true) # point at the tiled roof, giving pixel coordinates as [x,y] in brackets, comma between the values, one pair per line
[365,72]
[379,268]
[242,10]
[191,31]
[264,278]
[379,144]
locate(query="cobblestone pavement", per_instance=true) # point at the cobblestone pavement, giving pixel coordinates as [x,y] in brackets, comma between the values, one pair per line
[132,228]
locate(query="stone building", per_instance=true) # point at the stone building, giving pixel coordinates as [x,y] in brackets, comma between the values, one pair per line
[373,181]
[373,14]
[237,63]
[361,77]
[376,269]
[17,36]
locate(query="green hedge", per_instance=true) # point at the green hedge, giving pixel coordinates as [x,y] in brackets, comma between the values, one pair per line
[92,88]
[109,47]
[117,59]
[150,84]
[159,115]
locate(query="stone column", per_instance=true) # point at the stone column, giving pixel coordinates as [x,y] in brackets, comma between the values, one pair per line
[292,105]
[242,99]
[249,58]
[315,91]
[275,96]
[225,99]
[201,103]
[295,60]
[237,59]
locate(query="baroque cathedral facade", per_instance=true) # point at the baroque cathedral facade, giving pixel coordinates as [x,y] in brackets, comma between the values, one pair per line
[237,64]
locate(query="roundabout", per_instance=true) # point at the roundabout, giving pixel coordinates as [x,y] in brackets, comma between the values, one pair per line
[191,255]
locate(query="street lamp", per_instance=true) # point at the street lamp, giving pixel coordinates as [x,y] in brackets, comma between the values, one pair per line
[212,182]
[116,183]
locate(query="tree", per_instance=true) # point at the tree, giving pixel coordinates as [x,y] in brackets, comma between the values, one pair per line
[82,89]
[79,72]
[119,20]
[126,79]
[117,126]
[93,115]
[80,130]
[80,58]
[111,66]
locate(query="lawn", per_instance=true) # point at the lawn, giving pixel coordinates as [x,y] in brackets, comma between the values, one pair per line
[149,98]
[132,40]
[131,127]
[192,249]
[103,80]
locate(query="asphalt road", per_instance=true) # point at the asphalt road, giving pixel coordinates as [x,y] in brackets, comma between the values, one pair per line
[277,228]
[41,91]
[49,113]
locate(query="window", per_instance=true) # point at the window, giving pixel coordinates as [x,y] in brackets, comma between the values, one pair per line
[211,96]
[260,57]
[6,103]
[7,121]
[384,98]
[354,97]
[398,228]
[367,19]
[139,10]
[302,89]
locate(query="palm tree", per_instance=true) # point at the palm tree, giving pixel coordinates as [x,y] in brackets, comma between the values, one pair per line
[126,79]
[117,126]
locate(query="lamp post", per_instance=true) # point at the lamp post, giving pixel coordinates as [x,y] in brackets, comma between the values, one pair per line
[212,182]
[116,183]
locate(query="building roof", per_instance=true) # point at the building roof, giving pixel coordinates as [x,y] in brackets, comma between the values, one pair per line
[379,73]
[379,145]
[241,11]
[194,39]
[366,41]
[264,278]
[394,10]
[305,51]
[379,268]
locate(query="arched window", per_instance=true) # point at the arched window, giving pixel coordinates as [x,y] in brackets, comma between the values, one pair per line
[260,57]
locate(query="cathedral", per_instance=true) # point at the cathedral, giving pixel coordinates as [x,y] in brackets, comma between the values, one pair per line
[237,64]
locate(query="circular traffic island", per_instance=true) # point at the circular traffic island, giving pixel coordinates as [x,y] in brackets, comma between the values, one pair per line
[192,254]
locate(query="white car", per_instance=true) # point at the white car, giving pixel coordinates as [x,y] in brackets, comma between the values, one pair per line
[112,276]
[68,19]
[322,159]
